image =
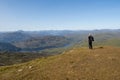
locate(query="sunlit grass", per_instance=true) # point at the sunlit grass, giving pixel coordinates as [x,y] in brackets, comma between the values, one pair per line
[101,63]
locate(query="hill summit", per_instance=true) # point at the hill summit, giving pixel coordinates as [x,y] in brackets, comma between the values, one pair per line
[101,63]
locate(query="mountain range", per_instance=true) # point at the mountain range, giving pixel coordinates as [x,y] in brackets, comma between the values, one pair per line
[38,40]
[14,46]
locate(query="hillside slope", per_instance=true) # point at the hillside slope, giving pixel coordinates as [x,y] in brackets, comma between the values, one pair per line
[7,47]
[102,63]
[40,43]
[11,37]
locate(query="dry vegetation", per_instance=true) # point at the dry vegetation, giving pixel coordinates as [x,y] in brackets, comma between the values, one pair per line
[102,63]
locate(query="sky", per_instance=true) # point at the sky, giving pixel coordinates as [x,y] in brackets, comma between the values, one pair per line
[35,15]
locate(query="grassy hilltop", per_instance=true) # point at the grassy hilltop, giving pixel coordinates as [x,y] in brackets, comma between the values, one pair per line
[102,63]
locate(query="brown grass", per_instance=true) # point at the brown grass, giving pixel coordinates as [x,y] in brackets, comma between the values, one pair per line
[76,64]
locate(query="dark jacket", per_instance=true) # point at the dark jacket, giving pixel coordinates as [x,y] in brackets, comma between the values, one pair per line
[90,38]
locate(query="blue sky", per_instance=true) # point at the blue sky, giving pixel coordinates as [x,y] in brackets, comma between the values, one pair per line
[37,15]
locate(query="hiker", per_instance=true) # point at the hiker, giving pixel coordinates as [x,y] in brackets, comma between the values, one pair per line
[90,40]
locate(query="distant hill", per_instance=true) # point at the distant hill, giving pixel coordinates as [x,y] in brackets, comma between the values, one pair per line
[102,63]
[7,47]
[13,36]
[37,40]
[10,58]
[17,57]
[45,42]
[76,36]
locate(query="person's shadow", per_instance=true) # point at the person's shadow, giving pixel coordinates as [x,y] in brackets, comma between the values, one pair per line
[99,47]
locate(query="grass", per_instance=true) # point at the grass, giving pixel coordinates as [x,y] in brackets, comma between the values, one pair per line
[101,63]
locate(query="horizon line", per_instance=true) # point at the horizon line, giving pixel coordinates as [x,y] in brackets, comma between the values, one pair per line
[58,30]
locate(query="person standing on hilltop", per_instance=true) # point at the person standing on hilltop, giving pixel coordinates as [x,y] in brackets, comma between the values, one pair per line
[90,40]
